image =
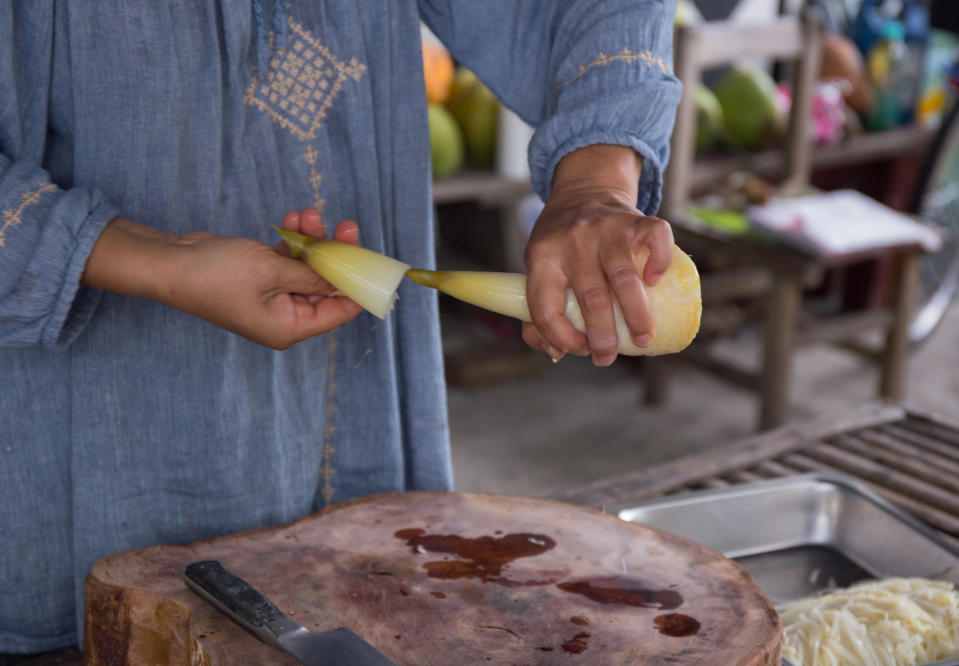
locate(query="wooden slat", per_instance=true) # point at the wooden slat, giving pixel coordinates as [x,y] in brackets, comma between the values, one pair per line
[943,464]
[713,484]
[723,41]
[774,469]
[660,479]
[938,519]
[935,430]
[860,149]
[744,476]
[883,476]
[921,440]
[485,187]
[920,469]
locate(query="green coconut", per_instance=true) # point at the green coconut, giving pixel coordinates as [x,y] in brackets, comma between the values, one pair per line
[446,141]
[710,126]
[747,95]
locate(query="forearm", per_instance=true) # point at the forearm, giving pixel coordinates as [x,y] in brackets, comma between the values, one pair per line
[134,260]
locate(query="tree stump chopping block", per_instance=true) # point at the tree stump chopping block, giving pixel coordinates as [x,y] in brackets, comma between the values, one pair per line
[443,579]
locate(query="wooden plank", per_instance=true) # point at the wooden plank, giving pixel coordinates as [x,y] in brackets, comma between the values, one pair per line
[949,421]
[923,470]
[935,430]
[775,469]
[660,479]
[946,464]
[851,151]
[922,440]
[487,188]
[885,477]
[713,484]
[744,476]
[724,41]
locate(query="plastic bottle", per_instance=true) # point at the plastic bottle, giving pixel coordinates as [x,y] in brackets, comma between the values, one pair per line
[891,72]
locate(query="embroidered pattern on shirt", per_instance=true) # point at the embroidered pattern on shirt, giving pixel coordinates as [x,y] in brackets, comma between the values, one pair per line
[629,57]
[301,85]
[14,216]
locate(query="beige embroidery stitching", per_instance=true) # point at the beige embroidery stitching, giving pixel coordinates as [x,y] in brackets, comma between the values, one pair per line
[14,216]
[301,86]
[626,55]
[326,470]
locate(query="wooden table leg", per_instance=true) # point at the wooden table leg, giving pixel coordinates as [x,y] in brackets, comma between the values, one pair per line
[782,309]
[895,353]
[656,374]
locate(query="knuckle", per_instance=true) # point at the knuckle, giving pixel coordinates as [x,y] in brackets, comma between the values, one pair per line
[624,277]
[595,299]
[543,318]
[661,227]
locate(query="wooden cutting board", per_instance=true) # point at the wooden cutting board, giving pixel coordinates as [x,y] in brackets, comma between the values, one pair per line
[445,579]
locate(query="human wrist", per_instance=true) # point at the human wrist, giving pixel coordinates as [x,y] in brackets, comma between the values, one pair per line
[605,170]
[135,260]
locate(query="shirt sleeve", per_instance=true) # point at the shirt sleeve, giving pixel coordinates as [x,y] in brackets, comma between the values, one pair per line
[46,236]
[580,71]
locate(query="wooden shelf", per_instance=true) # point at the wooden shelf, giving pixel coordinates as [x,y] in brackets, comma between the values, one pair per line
[485,187]
[491,189]
[861,149]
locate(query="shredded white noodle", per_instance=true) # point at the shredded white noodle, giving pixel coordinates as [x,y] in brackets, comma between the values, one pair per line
[890,622]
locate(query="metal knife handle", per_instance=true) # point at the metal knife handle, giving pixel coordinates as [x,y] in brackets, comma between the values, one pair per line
[238,599]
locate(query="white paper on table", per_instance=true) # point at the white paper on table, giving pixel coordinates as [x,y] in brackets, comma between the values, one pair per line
[841,222]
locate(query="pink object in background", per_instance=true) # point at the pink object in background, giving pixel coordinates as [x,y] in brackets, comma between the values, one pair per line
[828,113]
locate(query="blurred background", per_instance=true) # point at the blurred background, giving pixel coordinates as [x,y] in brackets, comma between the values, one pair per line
[815,181]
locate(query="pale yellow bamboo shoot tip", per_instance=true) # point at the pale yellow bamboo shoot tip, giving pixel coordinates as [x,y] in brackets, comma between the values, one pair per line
[368,278]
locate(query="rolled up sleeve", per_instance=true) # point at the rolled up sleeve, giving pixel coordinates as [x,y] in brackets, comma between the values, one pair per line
[581,72]
[46,236]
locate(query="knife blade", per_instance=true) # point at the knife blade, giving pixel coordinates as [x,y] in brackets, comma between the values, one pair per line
[249,608]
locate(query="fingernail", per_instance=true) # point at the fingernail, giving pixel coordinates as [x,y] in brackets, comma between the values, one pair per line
[554,353]
[603,360]
[643,339]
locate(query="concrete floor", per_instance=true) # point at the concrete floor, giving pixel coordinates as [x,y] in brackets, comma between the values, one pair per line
[572,423]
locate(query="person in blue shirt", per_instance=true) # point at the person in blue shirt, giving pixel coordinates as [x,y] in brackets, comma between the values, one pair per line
[145,150]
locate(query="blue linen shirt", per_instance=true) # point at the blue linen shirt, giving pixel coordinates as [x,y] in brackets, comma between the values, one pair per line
[126,423]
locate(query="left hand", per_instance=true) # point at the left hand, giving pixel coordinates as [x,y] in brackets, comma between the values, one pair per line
[585,238]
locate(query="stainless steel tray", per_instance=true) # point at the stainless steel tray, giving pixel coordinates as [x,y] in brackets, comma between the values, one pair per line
[800,535]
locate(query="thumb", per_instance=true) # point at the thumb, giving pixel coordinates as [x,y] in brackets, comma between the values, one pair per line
[294,276]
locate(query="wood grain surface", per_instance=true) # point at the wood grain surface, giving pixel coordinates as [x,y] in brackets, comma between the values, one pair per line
[445,579]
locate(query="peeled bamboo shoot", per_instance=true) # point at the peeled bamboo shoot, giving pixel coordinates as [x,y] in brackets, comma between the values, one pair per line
[369,278]
[675,301]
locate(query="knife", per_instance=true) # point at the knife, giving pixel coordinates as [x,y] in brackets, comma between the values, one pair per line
[245,605]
